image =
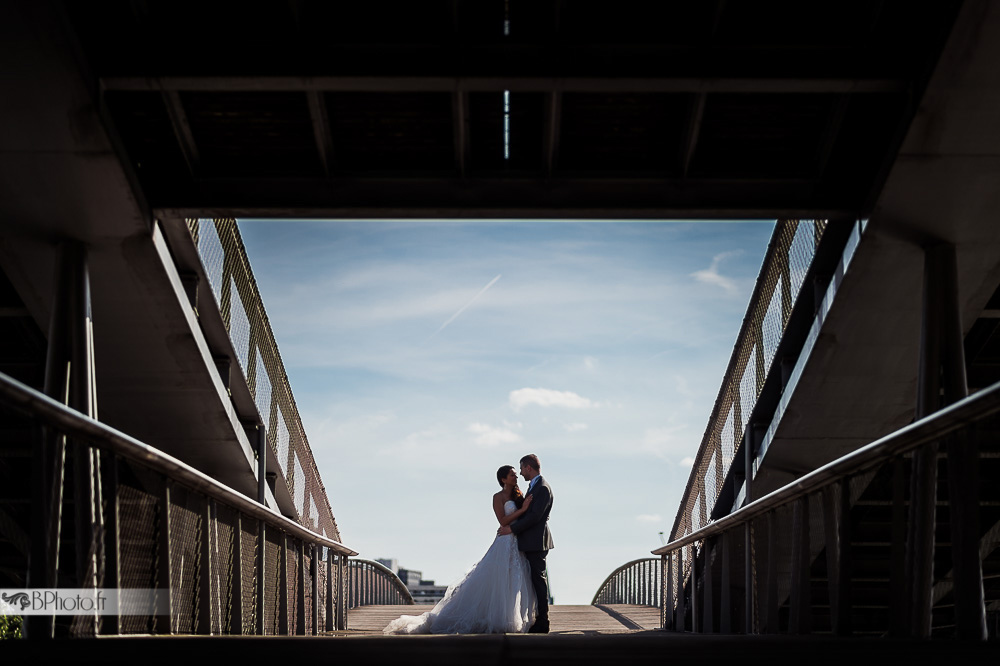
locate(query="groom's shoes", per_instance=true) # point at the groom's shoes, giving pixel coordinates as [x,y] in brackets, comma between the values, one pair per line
[539,627]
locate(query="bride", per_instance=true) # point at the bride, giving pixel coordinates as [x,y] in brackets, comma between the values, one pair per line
[496,595]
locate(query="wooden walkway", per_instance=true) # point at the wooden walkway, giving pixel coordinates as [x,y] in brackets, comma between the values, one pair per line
[579,620]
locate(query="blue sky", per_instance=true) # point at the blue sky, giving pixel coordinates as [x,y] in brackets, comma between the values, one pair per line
[424,355]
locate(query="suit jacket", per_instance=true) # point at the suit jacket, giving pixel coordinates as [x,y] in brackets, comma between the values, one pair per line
[532,528]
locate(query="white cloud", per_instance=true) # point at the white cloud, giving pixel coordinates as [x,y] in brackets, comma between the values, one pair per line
[649,518]
[548,398]
[687,461]
[711,274]
[490,436]
[575,427]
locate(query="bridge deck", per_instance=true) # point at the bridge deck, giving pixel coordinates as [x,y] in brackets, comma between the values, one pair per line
[610,619]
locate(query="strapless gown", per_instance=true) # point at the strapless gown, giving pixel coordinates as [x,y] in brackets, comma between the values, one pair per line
[494,597]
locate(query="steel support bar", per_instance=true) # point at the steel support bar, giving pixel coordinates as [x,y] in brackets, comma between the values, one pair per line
[68,380]
[726,603]
[283,585]
[164,624]
[236,571]
[330,612]
[695,620]
[668,605]
[342,593]
[314,570]
[942,301]
[300,592]
[260,566]
[798,622]
[204,625]
[708,621]
[842,627]
[681,610]
[112,545]
[898,586]
[748,577]
[772,623]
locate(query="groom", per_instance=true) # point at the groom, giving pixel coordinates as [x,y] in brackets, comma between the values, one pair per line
[533,537]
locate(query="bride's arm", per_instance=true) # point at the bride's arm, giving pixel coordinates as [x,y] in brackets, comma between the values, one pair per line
[507,520]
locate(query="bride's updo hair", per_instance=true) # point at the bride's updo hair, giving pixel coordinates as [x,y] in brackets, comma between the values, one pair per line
[517,496]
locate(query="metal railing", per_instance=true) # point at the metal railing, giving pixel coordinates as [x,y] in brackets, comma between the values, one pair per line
[786,269]
[637,582]
[762,567]
[372,584]
[225,563]
[231,281]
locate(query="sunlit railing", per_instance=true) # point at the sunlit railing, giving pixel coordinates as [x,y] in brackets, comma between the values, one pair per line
[808,570]
[786,265]
[233,286]
[638,582]
[224,563]
[372,584]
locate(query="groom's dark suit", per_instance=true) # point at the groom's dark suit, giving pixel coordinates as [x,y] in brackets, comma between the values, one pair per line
[535,541]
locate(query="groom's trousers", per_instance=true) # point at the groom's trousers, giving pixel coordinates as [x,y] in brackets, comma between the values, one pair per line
[536,560]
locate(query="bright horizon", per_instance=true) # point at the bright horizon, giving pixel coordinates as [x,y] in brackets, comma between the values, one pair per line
[423,355]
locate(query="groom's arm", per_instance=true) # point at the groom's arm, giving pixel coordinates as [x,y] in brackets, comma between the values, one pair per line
[535,512]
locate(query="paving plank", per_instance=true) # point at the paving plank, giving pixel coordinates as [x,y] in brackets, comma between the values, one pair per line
[612,619]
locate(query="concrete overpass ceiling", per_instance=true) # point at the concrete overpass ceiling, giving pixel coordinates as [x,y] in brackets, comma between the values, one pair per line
[374,109]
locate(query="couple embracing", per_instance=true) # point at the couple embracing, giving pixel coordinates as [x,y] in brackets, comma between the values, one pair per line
[506,591]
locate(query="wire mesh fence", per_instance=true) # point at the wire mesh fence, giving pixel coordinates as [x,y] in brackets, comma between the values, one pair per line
[833,552]
[232,284]
[214,560]
[782,277]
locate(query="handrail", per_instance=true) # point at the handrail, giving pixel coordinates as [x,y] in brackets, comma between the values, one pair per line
[389,574]
[611,576]
[81,427]
[933,427]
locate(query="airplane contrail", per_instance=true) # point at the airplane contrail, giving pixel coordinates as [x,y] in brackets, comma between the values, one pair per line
[464,307]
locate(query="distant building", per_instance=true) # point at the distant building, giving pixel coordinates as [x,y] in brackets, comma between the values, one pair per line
[392,564]
[424,592]
[427,592]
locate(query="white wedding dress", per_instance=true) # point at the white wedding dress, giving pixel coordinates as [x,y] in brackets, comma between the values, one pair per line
[494,597]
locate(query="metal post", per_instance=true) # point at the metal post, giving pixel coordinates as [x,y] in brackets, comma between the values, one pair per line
[668,604]
[695,620]
[300,593]
[798,622]
[771,594]
[708,624]
[342,593]
[898,591]
[329,590]
[112,547]
[726,604]
[748,576]
[260,564]
[69,379]
[205,571]
[843,626]
[314,569]
[236,588]
[283,585]
[164,624]
[681,611]
[942,370]
[831,534]
[941,267]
